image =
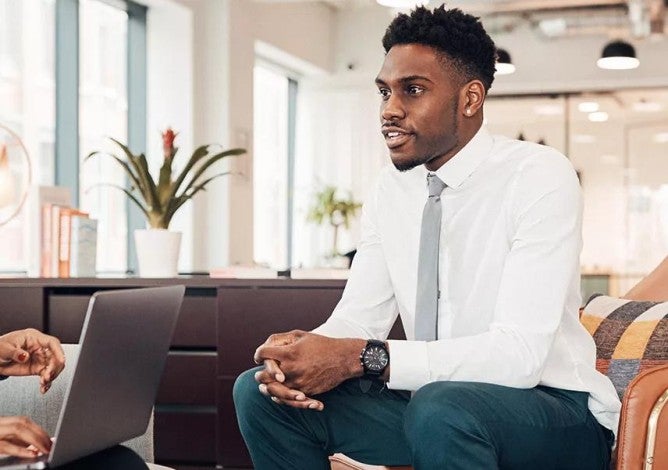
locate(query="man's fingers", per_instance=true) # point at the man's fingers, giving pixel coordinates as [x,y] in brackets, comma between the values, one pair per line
[279,393]
[271,373]
[270,352]
[274,370]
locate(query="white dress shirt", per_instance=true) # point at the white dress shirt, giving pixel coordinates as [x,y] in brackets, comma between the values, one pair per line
[509,275]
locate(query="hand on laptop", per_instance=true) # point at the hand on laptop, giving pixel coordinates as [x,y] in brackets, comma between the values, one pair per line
[21,437]
[31,352]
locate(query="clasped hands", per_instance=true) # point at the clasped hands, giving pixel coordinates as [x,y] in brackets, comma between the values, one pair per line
[28,352]
[299,365]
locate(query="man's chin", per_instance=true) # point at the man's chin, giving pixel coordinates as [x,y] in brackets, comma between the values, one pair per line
[403,163]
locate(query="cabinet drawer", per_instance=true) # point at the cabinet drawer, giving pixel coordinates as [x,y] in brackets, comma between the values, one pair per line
[189,379]
[66,316]
[21,307]
[196,325]
[186,437]
[249,315]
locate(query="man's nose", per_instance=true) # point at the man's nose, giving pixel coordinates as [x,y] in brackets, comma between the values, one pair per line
[392,109]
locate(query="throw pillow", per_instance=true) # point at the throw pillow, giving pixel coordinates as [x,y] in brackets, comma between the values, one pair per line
[630,336]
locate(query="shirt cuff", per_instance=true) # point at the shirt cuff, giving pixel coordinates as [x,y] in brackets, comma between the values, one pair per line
[409,365]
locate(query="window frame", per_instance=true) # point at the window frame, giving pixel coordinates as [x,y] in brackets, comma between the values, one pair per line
[67,58]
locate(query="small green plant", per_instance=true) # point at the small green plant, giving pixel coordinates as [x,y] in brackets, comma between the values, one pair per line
[333,210]
[160,200]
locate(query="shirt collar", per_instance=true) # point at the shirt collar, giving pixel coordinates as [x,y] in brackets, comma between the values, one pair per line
[462,165]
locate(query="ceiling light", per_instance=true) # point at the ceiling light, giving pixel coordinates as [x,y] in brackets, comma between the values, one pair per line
[548,110]
[661,138]
[402,3]
[618,55]
[588,107]
[598,116]
[610,159]
[644,106]
[584,138]
[504,66]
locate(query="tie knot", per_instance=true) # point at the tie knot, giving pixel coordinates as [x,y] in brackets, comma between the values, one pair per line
[435,185]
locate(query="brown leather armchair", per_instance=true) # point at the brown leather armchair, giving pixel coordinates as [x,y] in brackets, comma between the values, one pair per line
[643,424]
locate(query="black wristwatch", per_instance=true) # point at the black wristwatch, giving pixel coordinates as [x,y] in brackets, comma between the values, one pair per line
[374,358]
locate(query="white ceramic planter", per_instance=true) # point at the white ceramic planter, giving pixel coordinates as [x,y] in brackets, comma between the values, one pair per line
[157,252]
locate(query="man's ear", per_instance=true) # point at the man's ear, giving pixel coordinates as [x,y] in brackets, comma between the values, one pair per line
[472,97]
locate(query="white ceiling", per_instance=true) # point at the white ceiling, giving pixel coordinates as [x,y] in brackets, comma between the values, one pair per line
[479,6]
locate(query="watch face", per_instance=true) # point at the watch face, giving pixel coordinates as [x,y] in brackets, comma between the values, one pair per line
[375,358]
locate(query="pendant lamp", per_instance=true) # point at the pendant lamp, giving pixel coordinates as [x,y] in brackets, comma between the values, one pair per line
[504,65]
[618,55]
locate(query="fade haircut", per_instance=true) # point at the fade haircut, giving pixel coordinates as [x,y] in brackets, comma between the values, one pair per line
[458,36]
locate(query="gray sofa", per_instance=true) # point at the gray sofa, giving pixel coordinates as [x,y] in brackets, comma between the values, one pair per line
[19,396]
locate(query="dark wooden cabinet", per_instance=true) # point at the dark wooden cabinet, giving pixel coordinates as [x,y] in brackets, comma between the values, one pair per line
[220,324]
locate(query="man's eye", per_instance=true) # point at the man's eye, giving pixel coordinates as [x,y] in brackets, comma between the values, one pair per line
[384,93]
[414,90]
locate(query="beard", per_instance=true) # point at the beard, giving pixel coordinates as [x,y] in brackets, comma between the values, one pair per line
[405,165]
[428,154]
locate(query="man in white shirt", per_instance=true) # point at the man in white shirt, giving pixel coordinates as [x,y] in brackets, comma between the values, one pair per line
[507,379]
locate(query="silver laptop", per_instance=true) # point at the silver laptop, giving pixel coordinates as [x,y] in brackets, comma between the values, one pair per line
[124,346]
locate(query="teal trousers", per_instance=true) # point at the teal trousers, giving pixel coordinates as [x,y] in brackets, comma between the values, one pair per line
[444,426]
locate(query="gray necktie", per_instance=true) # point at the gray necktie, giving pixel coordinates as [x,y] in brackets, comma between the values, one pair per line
[426,305]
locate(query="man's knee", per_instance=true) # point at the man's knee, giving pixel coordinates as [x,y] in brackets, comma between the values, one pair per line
[441,408]
[245,393]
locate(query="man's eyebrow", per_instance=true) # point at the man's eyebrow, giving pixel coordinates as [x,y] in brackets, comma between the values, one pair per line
[403,80]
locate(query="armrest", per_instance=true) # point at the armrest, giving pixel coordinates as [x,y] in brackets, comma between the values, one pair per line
[653,287]
[19,396]
[642,396]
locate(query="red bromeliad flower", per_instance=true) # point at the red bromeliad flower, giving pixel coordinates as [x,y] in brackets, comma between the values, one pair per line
[168,143]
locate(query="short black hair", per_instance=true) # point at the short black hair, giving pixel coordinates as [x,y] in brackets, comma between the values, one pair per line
[458,35]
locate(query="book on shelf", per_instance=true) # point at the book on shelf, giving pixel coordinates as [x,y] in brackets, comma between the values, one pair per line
[38,197]
[83,246]
[65,238]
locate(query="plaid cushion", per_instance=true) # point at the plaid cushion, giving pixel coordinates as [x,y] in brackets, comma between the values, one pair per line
[630,336]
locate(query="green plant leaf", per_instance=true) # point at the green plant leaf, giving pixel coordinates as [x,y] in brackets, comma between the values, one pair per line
[210,161]
[197,155]
[143,174]
[153,200]
[133,178]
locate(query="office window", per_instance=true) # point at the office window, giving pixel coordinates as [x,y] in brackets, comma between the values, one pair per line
[27,104]
[271,97]
[103,113]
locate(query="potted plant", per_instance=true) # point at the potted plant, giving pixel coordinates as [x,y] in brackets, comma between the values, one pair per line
[333,210]
[157,247]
